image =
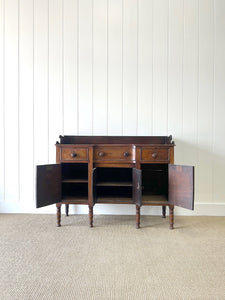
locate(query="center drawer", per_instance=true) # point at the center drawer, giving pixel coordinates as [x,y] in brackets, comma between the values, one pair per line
[114,153]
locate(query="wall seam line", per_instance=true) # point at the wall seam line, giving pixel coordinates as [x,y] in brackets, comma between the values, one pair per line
[63,96]
[167,70]
[182,85]
[198,90]
[214,98]
[4,146]
[18,113]
[92,64]
[33,114]
[122,65]
[152,67]
[107,70]
[137,105]
[48,133]
[78,66]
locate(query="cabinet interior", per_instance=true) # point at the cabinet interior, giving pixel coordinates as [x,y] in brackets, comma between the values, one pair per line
[74,171]
[114,185]
[75,182]
[154,183]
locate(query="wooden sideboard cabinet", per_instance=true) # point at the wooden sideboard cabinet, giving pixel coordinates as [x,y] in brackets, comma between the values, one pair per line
[115,169]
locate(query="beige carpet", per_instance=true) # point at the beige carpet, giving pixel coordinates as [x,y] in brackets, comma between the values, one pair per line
[113,260]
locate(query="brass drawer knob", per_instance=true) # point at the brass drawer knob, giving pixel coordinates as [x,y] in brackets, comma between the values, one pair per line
[101,154]
[154,154]
[126,154]
[73,154]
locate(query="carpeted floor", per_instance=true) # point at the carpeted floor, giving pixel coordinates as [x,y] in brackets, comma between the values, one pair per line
[113,260]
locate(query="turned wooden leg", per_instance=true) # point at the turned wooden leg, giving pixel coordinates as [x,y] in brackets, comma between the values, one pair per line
[91,216]
[163,211]
[58,206]
[67,209]
[171,207]
[137,216]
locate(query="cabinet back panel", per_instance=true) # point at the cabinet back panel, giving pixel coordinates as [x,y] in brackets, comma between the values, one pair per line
[154,179]
[114,174]
[74,171]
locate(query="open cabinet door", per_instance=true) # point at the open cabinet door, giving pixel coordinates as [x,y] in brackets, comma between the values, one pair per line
[181,186]
[137,189]
[94,191]
[48,185]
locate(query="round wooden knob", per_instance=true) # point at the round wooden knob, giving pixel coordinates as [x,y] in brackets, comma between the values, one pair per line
[154,154]
[100,154]
[126,154]
[73,154]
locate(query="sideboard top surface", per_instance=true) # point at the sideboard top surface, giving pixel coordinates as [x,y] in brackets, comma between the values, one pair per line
[144,140]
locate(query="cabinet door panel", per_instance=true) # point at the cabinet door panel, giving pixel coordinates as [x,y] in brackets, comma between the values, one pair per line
[181,186]
[137,191]
[48,185]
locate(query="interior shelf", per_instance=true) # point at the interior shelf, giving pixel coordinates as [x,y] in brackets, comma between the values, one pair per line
[115,200]
[114,183]
[148,199]
[74,180]
[75,200]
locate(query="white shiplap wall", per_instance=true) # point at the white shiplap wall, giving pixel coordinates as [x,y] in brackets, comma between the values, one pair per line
[111,67]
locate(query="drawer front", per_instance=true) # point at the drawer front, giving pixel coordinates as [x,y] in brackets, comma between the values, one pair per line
[155,154]
[73,154]
[114,153]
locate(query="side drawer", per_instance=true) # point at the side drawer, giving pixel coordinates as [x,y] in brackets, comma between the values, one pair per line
[155,154]
[73,154]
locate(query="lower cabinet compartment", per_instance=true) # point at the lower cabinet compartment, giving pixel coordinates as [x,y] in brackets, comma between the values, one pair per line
[77,192]
[75,183]
[154,184]
[113,185]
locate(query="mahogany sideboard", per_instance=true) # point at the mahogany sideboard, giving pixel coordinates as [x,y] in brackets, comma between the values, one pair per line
[136,170]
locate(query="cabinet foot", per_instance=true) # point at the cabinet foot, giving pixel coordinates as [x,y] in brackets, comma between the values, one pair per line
[67,209]
[58,207]
[171,208]
[137,216]
[90,216]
